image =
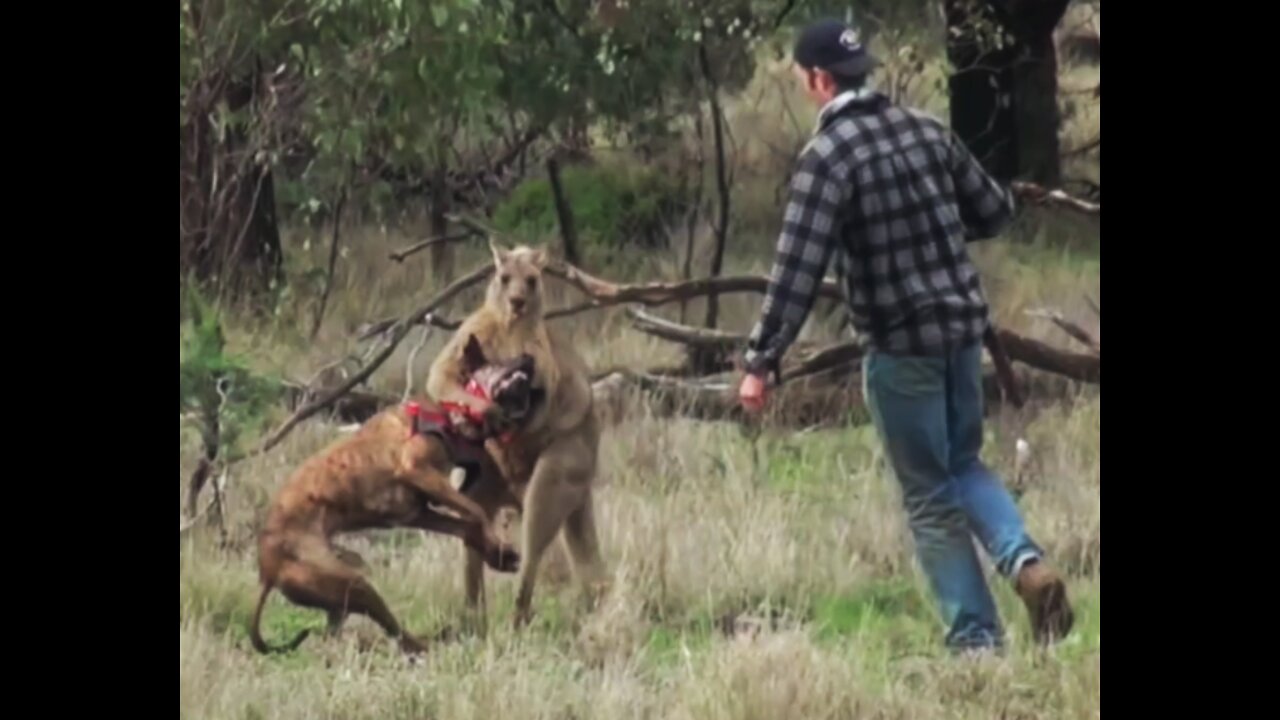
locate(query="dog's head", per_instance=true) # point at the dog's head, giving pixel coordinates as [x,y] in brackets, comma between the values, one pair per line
[509,385]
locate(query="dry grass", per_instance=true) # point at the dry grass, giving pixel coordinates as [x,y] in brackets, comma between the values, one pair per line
[694,531]
[800,535]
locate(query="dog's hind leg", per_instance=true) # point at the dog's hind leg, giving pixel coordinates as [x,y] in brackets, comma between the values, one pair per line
[321,580]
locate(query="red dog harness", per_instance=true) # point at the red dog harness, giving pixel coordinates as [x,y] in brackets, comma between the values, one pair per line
[464,452]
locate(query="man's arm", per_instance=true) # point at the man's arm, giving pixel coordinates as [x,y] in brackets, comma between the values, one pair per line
[804,250]
[985,206]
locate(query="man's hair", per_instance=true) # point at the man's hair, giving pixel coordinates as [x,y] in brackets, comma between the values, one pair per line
[849,82]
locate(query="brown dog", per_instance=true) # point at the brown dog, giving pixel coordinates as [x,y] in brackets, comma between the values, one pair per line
[384,476]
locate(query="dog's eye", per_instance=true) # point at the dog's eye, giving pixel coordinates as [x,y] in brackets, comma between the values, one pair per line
[506,279]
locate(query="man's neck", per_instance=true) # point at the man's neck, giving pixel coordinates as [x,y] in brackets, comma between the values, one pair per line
[839,101]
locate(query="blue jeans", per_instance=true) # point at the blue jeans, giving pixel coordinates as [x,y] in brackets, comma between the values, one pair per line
[928,413]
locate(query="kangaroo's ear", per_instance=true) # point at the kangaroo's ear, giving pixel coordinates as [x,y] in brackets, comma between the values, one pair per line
[499,253]
[473,356]
[539,258]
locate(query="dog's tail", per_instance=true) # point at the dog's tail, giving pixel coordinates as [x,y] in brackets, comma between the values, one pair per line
[255,634]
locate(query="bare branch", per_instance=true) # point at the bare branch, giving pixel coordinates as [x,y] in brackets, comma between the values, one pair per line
[400,255]
[315,406]
[662,292]
[418,316]
[1093,305]
[1034,194]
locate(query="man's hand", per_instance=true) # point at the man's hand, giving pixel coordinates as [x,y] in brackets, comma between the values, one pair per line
[752,393]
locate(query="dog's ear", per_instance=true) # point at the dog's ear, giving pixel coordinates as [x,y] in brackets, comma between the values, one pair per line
[473,356]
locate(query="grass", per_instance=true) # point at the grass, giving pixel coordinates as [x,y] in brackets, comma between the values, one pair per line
[799,537]
[811,548]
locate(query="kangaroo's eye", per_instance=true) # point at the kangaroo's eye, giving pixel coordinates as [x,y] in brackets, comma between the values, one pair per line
[533,283]
[506,279]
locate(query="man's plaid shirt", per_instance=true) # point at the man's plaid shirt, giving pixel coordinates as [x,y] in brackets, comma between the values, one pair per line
[894,197]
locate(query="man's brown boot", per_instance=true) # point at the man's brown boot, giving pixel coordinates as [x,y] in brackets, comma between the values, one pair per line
[1046,598]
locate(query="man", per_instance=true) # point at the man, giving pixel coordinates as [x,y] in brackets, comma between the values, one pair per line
[894,197]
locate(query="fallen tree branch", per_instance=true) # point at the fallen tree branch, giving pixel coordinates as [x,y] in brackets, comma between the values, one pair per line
[399,330]
[1077,333]
[315,406]
[400,255]
[1025,350]
[1076,366]
[1034,194]
[705,338]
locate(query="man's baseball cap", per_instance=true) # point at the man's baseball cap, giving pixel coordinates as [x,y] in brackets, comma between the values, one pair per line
[833,46]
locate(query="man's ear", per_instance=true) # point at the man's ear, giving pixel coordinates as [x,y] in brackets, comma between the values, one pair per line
[499,253]
[473,356]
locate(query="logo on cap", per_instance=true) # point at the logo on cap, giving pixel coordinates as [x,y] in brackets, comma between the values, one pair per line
[849,39]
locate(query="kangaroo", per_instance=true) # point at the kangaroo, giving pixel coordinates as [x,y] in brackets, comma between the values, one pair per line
[551,460]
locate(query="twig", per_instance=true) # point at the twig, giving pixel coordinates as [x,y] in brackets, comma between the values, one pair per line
[333,263]
[185,525]
[783,13]
[218,485]
[1035,194]
[413,354]
[400,255]
[1093,305]
[474,277]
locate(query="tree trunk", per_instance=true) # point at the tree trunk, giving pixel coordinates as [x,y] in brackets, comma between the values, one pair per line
[981,87]
[1035,82]
[441,253]
[1004,95]
[564,215]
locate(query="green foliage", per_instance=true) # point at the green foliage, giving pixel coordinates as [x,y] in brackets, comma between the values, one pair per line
[410,85]
[612,207]
[225,396]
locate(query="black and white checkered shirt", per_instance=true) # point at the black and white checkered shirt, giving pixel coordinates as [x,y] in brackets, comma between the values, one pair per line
[893,196]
